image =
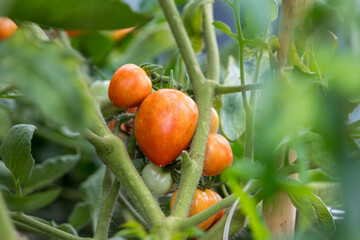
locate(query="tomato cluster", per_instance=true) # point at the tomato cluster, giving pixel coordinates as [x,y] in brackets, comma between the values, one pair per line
[201,201]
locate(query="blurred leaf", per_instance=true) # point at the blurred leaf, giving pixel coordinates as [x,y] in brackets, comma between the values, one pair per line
[258,15]
[310,205]
[224,28]
[193,22]
[147,45]
[248,207]
[79,14]
[5,122]
[92,191]
[318,175]
[49,74]
[80,215]
[31,202]
[48,171]
[132,229]
[6,179]
[15,151]
[237,149]
[316,151]
[96,45]
[232,114]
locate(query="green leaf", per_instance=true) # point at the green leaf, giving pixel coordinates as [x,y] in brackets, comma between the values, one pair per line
[50,76]
[92,191]
[31,202]
[80,215]
[224,28]
[258,15]
[51,169]
[147,45]
[15,151]
[79,14]
[310,205]
[6,179]
[232,114]
[193,22]
[317,152]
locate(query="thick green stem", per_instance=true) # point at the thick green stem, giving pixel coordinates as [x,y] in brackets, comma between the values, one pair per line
[7,229]
[111,150]
[203,91]
[46,229]
[220,89]
[202,216]
[111,188]
[212,52]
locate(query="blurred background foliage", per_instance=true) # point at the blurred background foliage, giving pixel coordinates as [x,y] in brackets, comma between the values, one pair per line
[314,111]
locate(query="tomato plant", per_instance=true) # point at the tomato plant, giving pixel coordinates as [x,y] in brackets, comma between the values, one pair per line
[218,155]
[214,121]
[129,86]
[164,125]
[157,180]
[7,28]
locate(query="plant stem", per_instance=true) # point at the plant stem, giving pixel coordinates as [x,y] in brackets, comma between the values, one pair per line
[220,89]
[111,150]
[193,164]
[110,190]
[7,229]
[125,203]
[46,229]
[202,216]
[212,52]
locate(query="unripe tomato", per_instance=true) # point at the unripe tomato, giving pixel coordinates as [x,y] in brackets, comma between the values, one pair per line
[218,155]
[157,180]
[164,125]
[7,28]
[201,201]
[221,212]
[129,86]
[214,121]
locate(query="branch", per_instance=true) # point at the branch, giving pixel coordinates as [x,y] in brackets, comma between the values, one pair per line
[46,229]
[212,52]
[220,89]
[202,216]
[108,204]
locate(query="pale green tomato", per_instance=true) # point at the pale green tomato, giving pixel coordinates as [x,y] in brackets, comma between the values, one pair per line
[157,180]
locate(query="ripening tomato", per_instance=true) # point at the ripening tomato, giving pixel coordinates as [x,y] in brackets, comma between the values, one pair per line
[157,180]
[214,121]
[7,28]
[164,125]
[218,155]
[129,86]
[221,212]
[201,201]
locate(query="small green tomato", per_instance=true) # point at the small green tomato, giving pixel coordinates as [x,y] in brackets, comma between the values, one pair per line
[157,180]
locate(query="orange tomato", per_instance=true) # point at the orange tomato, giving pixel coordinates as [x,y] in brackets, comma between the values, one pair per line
[117,35]
[74,33]
[7,27]
[164,125]
[129,86]
[214,121]
[201,201]
[218,155]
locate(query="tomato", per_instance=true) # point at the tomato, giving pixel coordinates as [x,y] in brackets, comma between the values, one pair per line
[201,201]
[74,33]
[214,121]
[111,125]
[157,180]
[218,155]
[221,212]
[129,86]
[164,125]
[7,28]
[128,126]
[117,35]
[99,90]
